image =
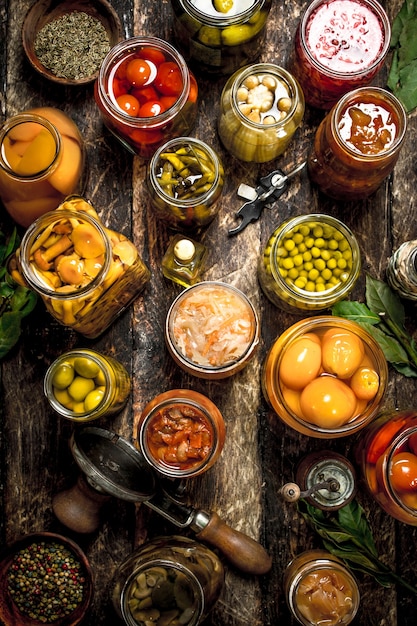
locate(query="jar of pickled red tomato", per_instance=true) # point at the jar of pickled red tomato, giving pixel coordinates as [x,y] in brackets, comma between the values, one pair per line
[309,263]
[261,107]
[342,163]
[212,330]
[181,433]
[146,94]
[41,162]
[339,45]
[387,456]
[325,376]
[83,385]
[219,37]
[168,578]
[185,181]
[85,273]
[320,589]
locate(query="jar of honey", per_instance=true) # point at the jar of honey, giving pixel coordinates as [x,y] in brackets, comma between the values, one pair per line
[146,94]
[344,164]
[85,273]
[41,162]
[387,456]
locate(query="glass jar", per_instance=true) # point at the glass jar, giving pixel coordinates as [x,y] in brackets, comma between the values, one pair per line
[41,162]
[402,270]
[325,376]
[85,273]
[334,53]
[189,579]
[181,433]
[183,261]
[218,38]
[309,263]
[212,330]
[341,163]
[320,589]
[185,180]
[83,385]
[146,94]
[254,135]
[387,456]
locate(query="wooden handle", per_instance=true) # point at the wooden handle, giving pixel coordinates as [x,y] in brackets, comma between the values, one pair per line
[243,552]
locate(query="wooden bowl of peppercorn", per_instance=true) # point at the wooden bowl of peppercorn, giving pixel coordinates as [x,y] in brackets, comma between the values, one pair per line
[66,42]
[45,578]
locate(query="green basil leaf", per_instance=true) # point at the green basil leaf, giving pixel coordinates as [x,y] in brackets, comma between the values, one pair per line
[380,298]
[406,12]
[392,349]
[402,77]
[355,311]
[9,331]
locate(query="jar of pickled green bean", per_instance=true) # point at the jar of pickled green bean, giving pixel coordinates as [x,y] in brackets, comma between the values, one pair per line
[309,263]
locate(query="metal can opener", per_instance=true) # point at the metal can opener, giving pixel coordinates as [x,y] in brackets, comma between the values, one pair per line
[269,189]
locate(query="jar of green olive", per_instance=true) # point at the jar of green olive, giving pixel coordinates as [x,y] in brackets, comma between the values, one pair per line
[261,107]
[168,580]
[185,181]
[309,263]
[83,385]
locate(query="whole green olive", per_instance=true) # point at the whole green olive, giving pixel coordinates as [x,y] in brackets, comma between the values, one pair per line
[86,367]
[63,376]
[80,387]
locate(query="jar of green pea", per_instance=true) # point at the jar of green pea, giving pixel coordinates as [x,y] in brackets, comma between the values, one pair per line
[83,385]
[309,263]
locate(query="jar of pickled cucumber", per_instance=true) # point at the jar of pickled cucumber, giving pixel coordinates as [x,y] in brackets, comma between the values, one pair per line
[85,273]
[261,107]
[218,37]
[185,181]
[167,579]
[309,263]
[83,385]
[41,162]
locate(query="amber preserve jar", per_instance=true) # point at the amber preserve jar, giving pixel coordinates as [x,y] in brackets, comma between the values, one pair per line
[85,273]
[169,578]
[342,163]
[387,456]
[146,94]
[41,162]
[320,589]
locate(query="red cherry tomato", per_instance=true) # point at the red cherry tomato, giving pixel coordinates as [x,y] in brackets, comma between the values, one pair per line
[151,54]
[151,109]
[145,94]
[139,72]
[168,101]
[168,80]
[403,472]
[382,440]
[412,443]
[120,87]
[192,96]
[129,104]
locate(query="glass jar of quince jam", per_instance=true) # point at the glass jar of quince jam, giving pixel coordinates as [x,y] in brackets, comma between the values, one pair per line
[85,273]
[358,143]
[339,45]
[146,94]
[219,37]
[41,162]
[320,589]
[387,456]
[181,433]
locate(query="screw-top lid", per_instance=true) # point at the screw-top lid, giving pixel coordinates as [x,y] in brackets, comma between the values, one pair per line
[184,250]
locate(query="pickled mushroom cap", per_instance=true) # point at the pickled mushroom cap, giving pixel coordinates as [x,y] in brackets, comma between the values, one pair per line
[88,242]
[70,269]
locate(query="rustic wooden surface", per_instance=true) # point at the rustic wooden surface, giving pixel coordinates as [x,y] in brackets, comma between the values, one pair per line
[260,452]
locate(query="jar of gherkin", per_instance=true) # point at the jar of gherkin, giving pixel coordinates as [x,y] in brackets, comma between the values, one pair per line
[219,37]
[168,580]
[85,273]
[309,263]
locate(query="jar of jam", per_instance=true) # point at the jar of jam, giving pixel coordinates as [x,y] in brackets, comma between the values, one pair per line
[339,45]
[146,94]
[342,163]
[261,107]
[185,181]
[219,37]
[83,385]
[212,330]
[320,589]
[181,433]
[85,273]
[309,263]
[402,270]
[41,162]
[168,578]
[325,376]
[387,456]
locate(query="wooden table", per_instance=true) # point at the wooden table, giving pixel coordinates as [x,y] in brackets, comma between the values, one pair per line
[261,453]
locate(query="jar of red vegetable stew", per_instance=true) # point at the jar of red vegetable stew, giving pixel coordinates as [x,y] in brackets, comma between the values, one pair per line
[146,94]
[181,433]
